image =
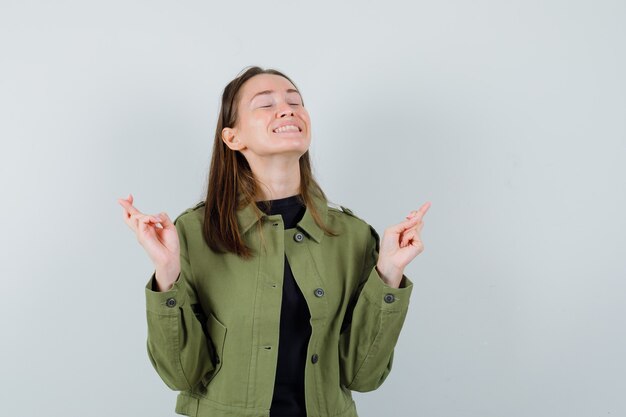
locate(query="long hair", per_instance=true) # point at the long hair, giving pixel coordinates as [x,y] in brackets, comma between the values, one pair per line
[232,185]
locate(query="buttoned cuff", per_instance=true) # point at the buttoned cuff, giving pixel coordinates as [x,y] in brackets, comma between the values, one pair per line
[165,302]
[388,298]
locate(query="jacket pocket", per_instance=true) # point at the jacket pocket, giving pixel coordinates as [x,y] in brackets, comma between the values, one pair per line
[217,333]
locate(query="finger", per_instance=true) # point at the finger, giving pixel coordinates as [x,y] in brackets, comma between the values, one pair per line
[127,205]
[144,224]
[137,218]
[403,226]
[412,239]
[417,226]
[126,215]
[419,213]
[150,218]
[161,220]
[411,220]
[405,242]
[146,221]
[166,222]
[128,199]
[407,237]
[133,219]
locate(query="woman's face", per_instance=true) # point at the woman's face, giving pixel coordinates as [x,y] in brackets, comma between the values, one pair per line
[269,102]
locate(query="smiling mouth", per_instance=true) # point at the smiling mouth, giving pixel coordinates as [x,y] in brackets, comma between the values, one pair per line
[288,129]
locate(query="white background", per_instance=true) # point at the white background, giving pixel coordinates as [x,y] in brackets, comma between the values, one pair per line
[509,116]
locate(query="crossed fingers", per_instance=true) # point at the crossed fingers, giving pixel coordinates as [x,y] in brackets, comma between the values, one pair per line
[136,219]
[411,234]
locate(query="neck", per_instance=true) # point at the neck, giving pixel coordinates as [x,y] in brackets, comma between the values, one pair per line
[277,177]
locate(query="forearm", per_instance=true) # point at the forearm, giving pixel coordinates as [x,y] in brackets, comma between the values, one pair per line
[177,346]
[367,344]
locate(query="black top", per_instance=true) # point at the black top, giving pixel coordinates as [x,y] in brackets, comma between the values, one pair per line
[295,326]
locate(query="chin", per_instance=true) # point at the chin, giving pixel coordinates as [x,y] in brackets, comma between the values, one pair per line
[299,151]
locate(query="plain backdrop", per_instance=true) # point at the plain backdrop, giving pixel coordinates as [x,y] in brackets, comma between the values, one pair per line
[509,116]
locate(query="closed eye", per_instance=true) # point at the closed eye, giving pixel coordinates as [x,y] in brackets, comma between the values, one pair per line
[269,105]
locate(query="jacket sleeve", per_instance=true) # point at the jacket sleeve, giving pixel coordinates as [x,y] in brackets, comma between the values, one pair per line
[372,326]
[178,347]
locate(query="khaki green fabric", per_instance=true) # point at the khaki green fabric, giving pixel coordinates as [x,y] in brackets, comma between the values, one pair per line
[214,335]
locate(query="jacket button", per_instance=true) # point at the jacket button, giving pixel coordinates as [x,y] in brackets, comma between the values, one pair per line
[298,237]
[314,358]
[389,298]
[170,302]
[319,292]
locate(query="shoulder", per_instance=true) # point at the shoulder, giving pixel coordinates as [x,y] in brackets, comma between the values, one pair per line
[354,223]
[346,215]
[195,212]
[339,210]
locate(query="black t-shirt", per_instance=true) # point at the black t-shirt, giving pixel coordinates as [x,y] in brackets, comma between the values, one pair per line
[295,326]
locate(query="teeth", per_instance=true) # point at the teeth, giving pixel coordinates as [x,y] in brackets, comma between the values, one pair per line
[288,128]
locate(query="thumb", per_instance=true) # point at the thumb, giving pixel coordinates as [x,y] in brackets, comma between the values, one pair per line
[406,224]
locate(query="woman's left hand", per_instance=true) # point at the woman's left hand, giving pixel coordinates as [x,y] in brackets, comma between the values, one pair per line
[399,245]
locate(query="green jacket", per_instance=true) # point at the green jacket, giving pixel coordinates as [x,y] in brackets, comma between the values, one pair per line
[214,335]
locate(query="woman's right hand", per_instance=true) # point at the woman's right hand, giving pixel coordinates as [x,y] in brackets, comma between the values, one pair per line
[161,243]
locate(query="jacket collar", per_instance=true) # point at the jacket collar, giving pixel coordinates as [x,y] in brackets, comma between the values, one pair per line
[246,218]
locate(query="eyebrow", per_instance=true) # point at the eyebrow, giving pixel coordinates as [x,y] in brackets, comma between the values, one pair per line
[290,90]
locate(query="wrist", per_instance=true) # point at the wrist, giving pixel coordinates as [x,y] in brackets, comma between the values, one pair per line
[389,274]
[166,276]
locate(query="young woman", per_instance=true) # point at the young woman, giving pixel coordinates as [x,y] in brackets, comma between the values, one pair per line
[267,299]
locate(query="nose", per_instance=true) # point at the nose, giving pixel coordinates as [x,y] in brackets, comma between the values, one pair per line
[285,110]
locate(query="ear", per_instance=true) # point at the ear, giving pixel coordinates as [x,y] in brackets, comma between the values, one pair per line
[231,139]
